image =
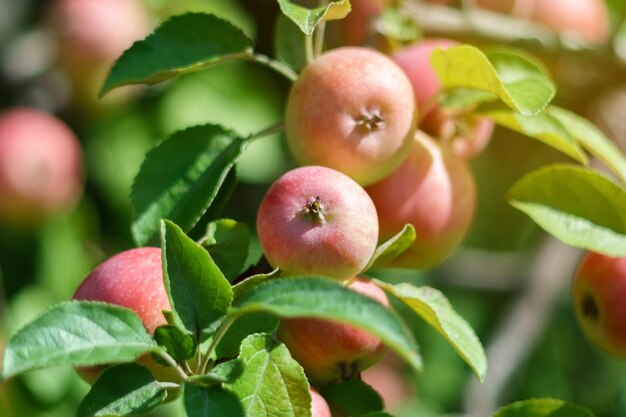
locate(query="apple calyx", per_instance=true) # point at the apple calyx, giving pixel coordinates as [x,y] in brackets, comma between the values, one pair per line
[371,120]
[314,209]
[589,307]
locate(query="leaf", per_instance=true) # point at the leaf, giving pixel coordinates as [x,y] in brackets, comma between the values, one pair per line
[289,43]
[225,372]
[246,285]
[183,44]
[592,139]
[432,306]
[122,390]
[211,402]
[308,19]
[273,383]
[393,247]
[353,397]
[322,298]
[543,407]
[513,77]
[227,242]
[578,206]
[77,333]
[181,177]
[244,326]
[199,293]
[396,25]
[178,344]
[544,127]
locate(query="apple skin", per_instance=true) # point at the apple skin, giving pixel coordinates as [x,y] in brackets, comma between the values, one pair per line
[131,279]
[588,19]
[40,167]
[356,26]
[598,292]
[433,190]
[330,351]
[319,406]
[476,132]
[351,110]
[300,242]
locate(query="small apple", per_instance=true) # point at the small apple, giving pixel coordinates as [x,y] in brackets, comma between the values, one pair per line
[434,191]
[319,407]
[351,110]
[315,220]
[356,26]
[40,167]
[598,291]
[587,19]
[330,351]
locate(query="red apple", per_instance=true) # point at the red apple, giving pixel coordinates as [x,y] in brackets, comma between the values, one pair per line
[598,291]
[472,134]
[315,220]
[434,191]
[319,407]
[330,351]
[351,110]
[358,24]
[587,19]
[40,166]
[131,279]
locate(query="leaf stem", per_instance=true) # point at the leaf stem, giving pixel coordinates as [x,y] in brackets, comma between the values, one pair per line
[167,358]
[320,31]
[218,337]
[270,130]
[308,43]
[277,66]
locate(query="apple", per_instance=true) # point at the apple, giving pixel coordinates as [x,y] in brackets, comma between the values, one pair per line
[434,191]
[587,19]
[131,279]
[329,351]
[388,380]
[472,134]
[351,110]
[598,292]
[319,407]
[315,220]
[357,25]
[40,167]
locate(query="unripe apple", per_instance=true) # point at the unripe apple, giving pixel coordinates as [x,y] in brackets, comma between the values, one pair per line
[319,406]
[587,19]
[40,166]
[434,191]
[598,291]
[472,134]
[351,110]
[330,351]
[315,220]
[131,279]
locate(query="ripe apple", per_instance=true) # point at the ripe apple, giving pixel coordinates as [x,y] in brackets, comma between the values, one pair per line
[434,191]
[587,19]
[351,110]
[598,292]
[319,407]
[330,351]
[132,279]
[40,166]
[468,134]
[315,220]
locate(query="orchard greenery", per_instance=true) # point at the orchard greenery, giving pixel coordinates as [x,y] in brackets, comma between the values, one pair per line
[220,333]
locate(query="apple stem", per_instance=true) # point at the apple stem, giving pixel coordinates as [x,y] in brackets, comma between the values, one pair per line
[590,307]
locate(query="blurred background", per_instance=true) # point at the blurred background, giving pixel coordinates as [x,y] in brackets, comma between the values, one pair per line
[509,280]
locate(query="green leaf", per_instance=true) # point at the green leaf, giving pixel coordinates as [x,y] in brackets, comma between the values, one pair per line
[244,326]
[273,383]
[178,344]
[211,402]
[122,390]
[592,139]
[544,127]
[199,293]
[289,44]
[77,333]
[181,45]
[514,77]
[308,19]
[543,407]
[353,397]
[396,25]
[322,298]
[393,247]
[225,372]
[432,306]
[581,207]
[378,414]
[247,284]
[181,177]
[227,242]
[464,98]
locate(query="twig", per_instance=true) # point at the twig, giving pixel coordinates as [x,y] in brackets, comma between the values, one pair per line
[216,339]
[167,358]
[273,64]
